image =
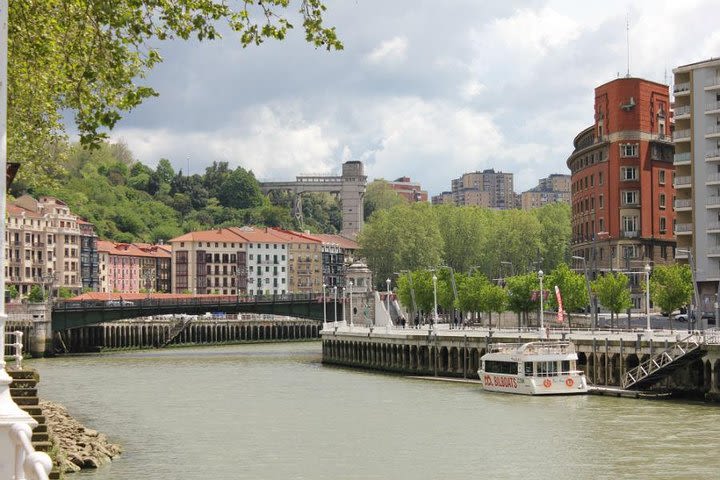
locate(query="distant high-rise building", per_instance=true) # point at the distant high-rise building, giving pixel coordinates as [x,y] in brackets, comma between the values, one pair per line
[485,189]
[622,192]
[444,197]
[697,181]
[555,188]
[411,191]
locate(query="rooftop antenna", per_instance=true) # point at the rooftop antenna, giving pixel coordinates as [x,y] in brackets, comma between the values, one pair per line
[627,38]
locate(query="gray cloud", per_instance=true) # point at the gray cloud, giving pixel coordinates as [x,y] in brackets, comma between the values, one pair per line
[422,89]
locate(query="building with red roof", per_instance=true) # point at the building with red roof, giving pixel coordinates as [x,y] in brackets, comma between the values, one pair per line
[134,268]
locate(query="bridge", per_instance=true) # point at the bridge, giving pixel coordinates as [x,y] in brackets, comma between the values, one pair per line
[350,186]
[83,312]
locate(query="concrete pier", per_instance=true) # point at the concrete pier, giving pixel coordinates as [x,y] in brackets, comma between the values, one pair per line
[152,333]
[604,356]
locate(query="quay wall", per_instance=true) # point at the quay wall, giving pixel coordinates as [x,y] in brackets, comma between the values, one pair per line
[160,332]
[603,356]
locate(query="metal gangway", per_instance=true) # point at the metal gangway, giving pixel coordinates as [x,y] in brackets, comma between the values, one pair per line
[679,354]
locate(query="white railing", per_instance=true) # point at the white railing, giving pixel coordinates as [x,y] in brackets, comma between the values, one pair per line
[684,110]
[712,130]
[681,87]
[712,201]
[712,106]
[712,154]
[683,227]
[713,177]
[681,157]
[678,134]
[29,464]
[685,180]
[15,348]
[712,81]
[683,203]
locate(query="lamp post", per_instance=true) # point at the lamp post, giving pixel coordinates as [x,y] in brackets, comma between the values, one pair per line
[593,318]
[435,315]
[647,295]
[542,323]
[350,284]
[387,300]
[335,303]
[324,306]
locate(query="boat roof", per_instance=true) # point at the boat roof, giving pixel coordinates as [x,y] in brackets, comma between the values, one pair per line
[558,347]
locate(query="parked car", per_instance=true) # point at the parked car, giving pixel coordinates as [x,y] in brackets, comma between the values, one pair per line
[684,317]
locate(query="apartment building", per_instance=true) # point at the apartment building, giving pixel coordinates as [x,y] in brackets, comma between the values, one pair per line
[43,245]
[133,268]
[305,261]
[697,180]
[89,258]
[443,198]
[488,188]
[621,181]
[338,253]
[409,190]
[552,189]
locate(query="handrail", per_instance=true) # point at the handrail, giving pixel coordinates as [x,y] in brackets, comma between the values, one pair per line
[661,360]
[29,463]
[17,355]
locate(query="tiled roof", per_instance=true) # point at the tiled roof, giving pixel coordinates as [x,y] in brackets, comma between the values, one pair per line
[342,242]
[294,237]
[16,211]
[130,250]
[215,235]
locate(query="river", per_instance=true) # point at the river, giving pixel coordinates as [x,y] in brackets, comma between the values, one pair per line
[273,411]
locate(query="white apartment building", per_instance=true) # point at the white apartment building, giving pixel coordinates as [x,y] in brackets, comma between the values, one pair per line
[697,175]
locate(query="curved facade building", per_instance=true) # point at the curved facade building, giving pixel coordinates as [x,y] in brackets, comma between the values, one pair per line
[622,181]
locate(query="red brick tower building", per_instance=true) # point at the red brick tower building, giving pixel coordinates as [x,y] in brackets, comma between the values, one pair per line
[622,181]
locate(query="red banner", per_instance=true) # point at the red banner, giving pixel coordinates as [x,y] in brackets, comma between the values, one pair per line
[561,314]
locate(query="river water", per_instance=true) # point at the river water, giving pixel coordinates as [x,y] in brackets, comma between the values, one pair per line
[273,411]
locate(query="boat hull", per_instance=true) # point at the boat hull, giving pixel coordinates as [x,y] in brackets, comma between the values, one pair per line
[572,384]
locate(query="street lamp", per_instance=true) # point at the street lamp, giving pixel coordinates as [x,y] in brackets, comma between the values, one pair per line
[593,317]
[435,315]
[324,305]
[387,300]
[542,323]
[647,295]
[350,284]
[335,303]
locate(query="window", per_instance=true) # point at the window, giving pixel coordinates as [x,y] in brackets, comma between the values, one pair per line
[630,224]
[663,225]
[601,224]
[629,197]
[628,150]
[601,201]
[628,173]
[661,177]
[662,201]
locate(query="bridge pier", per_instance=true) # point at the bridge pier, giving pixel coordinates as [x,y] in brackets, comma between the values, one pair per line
[41,337]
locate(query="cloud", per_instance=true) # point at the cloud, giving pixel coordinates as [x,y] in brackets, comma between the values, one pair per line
[389,51]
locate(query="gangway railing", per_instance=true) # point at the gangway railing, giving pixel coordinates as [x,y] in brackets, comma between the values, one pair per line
[652,368]
[176,330]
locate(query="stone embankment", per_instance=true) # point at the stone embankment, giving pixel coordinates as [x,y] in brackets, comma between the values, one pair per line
[78,447]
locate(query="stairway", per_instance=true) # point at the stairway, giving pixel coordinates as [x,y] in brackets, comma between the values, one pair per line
[23,391]
[679,354]
[176,330]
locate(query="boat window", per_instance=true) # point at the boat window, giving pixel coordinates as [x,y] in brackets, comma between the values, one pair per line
[528,369]
[546,369]
[565,366]
[507,368]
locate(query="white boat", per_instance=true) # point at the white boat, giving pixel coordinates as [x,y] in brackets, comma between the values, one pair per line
[534,368]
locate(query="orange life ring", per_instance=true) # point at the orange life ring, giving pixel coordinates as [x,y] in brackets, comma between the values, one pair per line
[547,383]
[569,382]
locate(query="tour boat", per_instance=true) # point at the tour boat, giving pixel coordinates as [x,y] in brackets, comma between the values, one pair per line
[534,368]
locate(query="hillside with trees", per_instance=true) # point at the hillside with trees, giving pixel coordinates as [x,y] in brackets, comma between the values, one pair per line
[129,201]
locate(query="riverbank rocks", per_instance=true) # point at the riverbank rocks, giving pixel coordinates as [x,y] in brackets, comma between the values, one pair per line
[78,447]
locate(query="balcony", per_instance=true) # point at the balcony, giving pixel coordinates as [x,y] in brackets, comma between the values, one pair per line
[682,159]
[681,135]
[713,251]
[684,204]
[712,108]
[681,255]
[630,233]
[712,156]
[713,227]
[712,179]
[681,89]
[683,182]
[712,131]
[712,202]
[682,112]
[684,229]
[712,83]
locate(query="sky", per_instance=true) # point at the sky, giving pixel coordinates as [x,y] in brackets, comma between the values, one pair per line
[424,89]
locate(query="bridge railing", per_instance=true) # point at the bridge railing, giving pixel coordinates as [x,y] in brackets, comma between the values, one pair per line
[14,347]
[196,301]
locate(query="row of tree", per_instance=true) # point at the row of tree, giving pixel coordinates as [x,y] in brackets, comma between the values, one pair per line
[670,288]
[498,243]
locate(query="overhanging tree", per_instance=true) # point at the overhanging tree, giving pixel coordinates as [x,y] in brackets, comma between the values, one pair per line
[613,292]
[89,56]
